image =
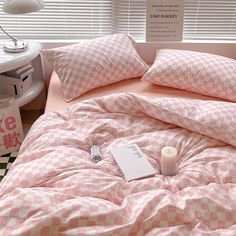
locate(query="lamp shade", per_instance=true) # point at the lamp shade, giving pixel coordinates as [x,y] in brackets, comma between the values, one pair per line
[22,6]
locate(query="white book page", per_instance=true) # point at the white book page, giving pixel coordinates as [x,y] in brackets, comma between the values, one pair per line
[132,162]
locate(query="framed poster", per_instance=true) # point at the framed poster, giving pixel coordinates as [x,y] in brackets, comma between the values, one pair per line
[164,20]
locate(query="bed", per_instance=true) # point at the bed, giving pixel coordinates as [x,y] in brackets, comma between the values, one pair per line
[54,188]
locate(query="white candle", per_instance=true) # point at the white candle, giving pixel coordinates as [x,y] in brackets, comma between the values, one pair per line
[168,160]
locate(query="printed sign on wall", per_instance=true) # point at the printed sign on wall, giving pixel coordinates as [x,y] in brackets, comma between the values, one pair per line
[164,20]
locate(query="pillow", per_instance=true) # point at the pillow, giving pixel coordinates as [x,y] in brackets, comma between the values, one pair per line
[94,63]
[202,73]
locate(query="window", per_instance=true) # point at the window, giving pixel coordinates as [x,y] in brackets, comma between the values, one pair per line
[69,19]
[210,19]
[82,19]
[130,16]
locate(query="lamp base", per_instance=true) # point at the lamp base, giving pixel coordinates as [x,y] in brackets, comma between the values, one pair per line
[20,46]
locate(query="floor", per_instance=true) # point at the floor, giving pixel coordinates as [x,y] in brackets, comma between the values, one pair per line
[6,162]
[28,117]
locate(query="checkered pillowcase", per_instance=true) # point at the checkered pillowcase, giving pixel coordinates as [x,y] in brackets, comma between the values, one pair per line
[94,63]
[202,73]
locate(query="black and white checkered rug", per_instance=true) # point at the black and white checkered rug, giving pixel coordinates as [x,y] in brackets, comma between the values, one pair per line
[6,162]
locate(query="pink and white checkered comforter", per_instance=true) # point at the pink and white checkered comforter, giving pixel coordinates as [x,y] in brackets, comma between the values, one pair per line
[53,188]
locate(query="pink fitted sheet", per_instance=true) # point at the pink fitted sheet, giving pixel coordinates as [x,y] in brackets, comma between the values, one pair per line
[56,102]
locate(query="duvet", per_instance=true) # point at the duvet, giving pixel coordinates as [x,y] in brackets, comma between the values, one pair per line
[54,188]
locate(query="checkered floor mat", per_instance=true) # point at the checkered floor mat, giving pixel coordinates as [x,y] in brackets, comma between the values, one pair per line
[6,162]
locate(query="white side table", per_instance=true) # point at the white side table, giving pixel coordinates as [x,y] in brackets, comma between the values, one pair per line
[10,61]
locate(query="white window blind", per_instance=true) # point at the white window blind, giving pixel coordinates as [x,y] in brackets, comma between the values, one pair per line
[82,19]
[210,19]
[130,16]
[71,19]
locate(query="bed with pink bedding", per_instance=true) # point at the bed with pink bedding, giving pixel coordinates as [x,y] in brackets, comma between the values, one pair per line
[54,188]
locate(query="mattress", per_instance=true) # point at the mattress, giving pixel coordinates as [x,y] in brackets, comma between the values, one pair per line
[56,102]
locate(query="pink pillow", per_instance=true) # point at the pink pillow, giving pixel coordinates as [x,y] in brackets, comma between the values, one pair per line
[202,73]
[94,63]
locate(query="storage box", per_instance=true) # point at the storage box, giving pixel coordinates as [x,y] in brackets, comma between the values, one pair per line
[15,86]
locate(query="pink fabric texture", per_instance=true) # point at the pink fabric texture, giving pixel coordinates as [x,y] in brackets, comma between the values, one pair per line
[202,73]
[56,102]
[94,63]
[54,188]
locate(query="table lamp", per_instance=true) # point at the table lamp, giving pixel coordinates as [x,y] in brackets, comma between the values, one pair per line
[19,7]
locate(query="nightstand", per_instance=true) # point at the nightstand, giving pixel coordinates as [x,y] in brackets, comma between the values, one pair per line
[10,61]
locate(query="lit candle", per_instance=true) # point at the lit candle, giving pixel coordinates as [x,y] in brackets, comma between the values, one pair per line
[168,160]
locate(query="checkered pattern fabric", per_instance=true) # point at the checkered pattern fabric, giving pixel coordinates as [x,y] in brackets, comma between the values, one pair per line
[6,162]
[202,73]
[57,190]
[94,63]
